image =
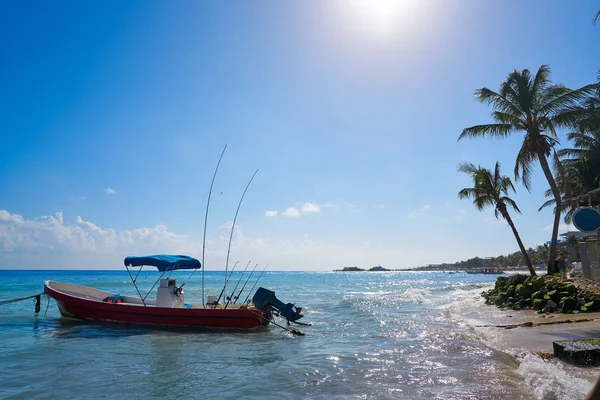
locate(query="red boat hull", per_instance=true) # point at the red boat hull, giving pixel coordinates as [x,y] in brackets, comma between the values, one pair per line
[96,310]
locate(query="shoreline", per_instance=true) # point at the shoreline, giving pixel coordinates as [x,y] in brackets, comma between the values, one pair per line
[528,331]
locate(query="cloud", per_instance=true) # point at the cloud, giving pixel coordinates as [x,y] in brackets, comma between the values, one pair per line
[561,227]
[420,212]
[271,213]
[314,207]
[50,234]
[110,190]
[291,212]
[311,208]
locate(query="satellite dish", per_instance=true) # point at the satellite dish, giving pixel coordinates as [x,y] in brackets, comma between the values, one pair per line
[586,219]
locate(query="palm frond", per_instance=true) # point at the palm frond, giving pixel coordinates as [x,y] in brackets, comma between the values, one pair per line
[496,100]
[493,130]
[541,79]
[546,204]
[511,202]
[560,99]
[524,163]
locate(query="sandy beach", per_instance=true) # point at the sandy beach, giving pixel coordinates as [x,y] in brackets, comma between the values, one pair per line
[527,337]
[534,332]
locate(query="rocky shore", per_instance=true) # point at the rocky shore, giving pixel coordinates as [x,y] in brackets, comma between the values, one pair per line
[545,294]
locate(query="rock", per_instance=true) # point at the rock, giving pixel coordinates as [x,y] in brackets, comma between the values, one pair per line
[523,291]
[592,305]
[568,304]
[553,295]
[537,295]
[538,304]
[525,303]
[510,291]
[537,283]
[571,289]
[578,351]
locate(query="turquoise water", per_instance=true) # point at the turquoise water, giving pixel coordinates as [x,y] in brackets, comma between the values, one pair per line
[393,335]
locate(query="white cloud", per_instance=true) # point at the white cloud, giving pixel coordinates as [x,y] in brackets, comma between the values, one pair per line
[50,234]
[271,213]
[420,212]
[561,227]
[110,190]
[55,242]
[311,208]
[291,212]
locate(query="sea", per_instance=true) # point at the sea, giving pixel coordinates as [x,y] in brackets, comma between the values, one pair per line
[372,335]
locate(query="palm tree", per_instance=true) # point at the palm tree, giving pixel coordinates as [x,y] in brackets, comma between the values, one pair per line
[572,244]
[577,170]
[536,107]
[491,189]
[584,159]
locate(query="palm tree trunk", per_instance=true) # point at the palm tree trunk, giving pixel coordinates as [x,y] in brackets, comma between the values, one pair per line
[506,216]
[557,212]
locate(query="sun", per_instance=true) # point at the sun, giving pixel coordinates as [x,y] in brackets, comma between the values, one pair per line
[382,17]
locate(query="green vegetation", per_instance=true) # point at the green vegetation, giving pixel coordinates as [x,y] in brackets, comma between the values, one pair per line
[545,294]
[535,107]
[491,189]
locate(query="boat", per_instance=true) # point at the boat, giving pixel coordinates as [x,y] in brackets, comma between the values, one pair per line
[168,308]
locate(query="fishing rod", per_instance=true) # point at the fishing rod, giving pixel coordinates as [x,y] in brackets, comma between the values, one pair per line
[257,279]
[205,220]
[247,280]
[233,225]
[235,298]
[228,277]
[236,285]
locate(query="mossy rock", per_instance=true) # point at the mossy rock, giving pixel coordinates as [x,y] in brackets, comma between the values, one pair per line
[553,295]
[510,291]
[568,305]
[537,283]
[525,303]
[592,305]
[578,351]
[538,304]
[537,295]
[523,291]
[547,309]
[570,288]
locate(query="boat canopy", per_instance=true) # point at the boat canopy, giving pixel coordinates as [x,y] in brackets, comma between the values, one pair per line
[163,262]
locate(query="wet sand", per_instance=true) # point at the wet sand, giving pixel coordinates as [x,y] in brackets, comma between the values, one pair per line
[529,331]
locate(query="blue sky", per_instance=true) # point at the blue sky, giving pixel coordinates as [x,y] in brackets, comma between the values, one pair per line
[114,114]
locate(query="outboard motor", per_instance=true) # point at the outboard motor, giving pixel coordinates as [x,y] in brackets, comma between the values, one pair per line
[264,298]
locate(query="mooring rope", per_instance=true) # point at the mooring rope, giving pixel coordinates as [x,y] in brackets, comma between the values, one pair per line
[37,301]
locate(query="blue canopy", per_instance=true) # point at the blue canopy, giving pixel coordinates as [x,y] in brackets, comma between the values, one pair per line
[163,262]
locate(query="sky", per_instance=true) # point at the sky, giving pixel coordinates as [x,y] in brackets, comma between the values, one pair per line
[113,116]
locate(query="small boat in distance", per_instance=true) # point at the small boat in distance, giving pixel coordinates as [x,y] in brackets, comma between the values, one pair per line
[168,308]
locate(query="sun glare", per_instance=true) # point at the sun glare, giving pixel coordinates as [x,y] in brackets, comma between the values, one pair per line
[382,17]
